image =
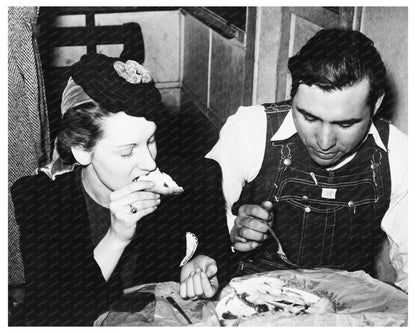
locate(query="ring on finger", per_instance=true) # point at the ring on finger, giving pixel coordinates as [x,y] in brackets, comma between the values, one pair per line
[195,298]
[133,210]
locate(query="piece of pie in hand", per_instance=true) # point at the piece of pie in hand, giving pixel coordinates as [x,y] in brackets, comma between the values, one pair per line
[164,184]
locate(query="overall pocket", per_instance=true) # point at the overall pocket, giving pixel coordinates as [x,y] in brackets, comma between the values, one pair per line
[321,223]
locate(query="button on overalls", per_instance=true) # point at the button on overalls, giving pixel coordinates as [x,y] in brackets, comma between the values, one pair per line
[322,218]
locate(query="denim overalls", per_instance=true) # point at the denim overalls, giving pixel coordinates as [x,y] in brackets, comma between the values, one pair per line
[322,218]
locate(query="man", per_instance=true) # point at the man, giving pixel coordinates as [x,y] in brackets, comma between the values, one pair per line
[317,182]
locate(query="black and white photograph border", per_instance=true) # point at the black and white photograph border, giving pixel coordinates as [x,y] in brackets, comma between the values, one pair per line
[395,43]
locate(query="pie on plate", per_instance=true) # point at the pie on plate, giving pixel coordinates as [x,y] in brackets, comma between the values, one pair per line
[265,296]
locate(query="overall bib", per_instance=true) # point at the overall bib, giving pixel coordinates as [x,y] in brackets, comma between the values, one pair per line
[322,218]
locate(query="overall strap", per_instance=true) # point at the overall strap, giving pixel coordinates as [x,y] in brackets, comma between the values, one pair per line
[276,113]
[273,155]
[383,128]
[258,189]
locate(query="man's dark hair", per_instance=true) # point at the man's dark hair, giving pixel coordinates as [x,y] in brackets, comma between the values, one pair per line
[81,126]
[338,58]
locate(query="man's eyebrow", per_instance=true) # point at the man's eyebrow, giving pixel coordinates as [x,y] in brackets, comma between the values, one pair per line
[306,113]
[338,122]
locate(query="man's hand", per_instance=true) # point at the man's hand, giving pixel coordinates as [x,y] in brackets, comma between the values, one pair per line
[198,278]
[249,229]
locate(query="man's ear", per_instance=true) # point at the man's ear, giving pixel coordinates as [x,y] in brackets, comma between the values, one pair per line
[378,103]
[82,156]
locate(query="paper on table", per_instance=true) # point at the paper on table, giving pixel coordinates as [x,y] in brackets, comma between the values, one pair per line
[161,312]
[359,300]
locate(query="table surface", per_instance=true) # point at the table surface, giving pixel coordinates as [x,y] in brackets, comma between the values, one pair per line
[358,299]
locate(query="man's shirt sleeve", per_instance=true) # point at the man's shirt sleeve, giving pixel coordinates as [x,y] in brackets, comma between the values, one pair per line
[240,151]
[395,222]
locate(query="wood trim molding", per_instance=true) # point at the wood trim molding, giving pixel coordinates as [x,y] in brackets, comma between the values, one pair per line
[357,18]
[215,22]
[282,70]
[250,55]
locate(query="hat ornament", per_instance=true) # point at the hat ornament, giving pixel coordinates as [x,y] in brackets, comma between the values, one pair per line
[132,72]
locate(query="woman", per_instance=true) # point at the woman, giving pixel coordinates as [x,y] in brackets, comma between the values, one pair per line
[89,233]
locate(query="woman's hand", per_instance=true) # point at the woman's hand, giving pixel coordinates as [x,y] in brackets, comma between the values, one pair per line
[167,190]
[198,278]
[128,205]
[124,218]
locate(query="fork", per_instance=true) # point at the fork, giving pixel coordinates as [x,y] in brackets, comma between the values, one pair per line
[280,251]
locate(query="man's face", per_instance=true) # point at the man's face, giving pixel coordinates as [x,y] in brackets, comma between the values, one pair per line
[127,150]
[332,124]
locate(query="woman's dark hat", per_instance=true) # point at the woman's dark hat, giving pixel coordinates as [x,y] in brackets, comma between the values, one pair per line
[117,86]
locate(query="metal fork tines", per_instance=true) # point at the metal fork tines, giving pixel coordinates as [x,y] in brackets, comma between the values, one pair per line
[280,251]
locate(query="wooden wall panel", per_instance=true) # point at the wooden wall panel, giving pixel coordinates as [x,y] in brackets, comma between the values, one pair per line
[388,28]
[269,36]
[319,15]
[213,70]
[227,77]
[196,60]
[298,25]
[301,31]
